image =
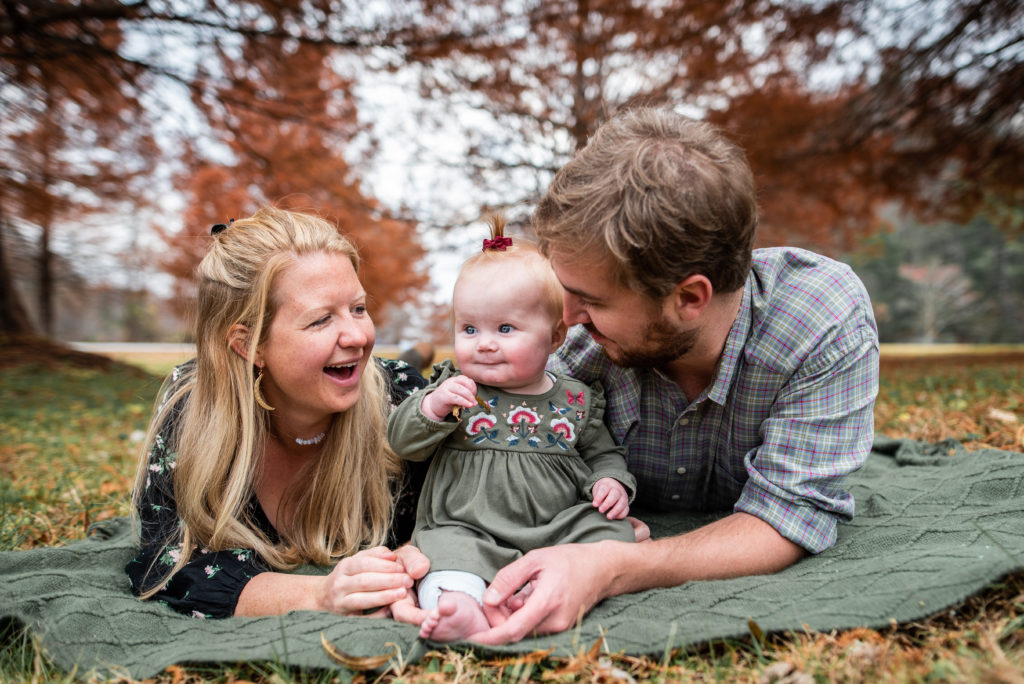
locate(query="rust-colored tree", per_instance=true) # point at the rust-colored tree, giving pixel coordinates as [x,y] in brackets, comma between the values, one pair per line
[70,142]
[842,106]
[287,151]
[85,83]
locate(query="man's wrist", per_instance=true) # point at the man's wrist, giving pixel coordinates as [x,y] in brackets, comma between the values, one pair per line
[618,563]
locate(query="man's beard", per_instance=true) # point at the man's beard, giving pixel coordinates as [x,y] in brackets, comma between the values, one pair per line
[663,344]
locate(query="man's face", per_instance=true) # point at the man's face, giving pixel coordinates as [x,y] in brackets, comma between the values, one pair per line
[632,328]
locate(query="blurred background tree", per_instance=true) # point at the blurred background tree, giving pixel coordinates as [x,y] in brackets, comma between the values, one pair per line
[97,121]
[851,112]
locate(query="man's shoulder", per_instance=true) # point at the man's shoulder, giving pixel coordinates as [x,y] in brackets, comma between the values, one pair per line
[801,301]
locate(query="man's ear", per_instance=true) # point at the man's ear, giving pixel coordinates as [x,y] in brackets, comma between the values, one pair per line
[558,335]
[690,297]
[238,340]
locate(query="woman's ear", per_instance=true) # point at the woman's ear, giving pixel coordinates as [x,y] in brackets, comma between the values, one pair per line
[558,335]
[238,340]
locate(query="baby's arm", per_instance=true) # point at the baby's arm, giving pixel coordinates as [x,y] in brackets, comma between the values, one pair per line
[610,498]
[455,391]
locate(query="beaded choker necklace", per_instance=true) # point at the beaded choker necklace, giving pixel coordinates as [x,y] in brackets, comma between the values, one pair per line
[315,439]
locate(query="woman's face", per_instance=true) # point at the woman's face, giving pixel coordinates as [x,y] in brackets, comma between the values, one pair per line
[319,341]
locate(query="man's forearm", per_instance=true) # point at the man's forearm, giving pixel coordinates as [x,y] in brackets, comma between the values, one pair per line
[735,546]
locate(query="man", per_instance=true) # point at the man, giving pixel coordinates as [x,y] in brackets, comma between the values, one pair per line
[737,380]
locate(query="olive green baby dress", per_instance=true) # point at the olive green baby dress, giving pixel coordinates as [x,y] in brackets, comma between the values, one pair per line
[512,474]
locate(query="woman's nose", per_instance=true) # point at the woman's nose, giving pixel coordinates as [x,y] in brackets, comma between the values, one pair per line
[354,334]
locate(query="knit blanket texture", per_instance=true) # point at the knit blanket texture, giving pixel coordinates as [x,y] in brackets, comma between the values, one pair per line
[934,524]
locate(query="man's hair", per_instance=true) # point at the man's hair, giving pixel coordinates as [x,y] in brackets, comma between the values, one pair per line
[661,195]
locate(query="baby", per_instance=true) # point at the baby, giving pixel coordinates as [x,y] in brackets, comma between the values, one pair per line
[521,457]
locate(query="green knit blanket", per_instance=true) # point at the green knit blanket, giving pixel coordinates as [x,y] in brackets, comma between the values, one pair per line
[934,524]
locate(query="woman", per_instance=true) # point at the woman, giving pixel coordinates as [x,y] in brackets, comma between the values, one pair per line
[268,450]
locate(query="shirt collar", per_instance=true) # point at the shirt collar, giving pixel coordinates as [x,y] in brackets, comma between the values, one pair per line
[733,350]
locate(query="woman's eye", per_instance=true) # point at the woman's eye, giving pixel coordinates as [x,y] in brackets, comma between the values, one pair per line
[504,328]
[321,321]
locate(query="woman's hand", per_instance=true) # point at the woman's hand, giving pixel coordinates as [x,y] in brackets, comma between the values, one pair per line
[371,579]
[416,565]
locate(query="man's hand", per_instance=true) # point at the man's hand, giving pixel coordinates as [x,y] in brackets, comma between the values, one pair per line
[610,498]
[566,582]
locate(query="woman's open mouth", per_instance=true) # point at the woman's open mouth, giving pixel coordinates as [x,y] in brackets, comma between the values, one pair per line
[342,371]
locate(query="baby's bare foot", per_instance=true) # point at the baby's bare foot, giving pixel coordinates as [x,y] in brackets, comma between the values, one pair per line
[456,617]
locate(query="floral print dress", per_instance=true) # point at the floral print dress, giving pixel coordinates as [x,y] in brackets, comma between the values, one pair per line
[512,474]
[208,586]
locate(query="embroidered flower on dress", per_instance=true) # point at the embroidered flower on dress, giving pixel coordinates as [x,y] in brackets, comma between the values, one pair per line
[521,414]
[197,614]
[564,427]
[482,421]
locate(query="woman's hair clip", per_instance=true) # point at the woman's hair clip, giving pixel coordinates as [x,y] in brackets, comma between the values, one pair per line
[218,227]
[497,241]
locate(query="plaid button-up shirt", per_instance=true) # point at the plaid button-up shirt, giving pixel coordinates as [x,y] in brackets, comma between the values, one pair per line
[789,414]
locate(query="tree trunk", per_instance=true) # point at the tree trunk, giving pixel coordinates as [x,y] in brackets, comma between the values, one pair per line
[14,318]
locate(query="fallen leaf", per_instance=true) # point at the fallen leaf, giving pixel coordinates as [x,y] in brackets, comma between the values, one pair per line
[357,663]
[1001,415]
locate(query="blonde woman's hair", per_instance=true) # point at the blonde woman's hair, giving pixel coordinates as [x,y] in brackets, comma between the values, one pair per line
[343,501]
[521,253]
[660,195]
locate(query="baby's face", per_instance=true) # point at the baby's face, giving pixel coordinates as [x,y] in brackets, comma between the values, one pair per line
[503,330]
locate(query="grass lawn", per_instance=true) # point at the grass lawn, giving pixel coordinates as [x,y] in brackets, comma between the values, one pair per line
[69,431]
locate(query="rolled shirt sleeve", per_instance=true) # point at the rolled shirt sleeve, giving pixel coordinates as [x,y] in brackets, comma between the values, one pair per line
[819,431]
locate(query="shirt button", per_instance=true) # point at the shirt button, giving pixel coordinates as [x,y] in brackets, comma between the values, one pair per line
[681,470]
[684,421]
[675,497]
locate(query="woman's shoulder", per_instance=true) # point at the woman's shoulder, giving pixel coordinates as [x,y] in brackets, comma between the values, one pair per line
[400,378]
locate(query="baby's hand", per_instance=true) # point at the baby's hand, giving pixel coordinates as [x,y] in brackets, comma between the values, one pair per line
[610,498]
[457,391]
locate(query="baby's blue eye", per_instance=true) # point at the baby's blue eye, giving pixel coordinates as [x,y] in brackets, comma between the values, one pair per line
[504,328]
[469,330]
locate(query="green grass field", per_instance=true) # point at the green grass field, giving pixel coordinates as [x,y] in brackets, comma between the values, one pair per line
[69,432]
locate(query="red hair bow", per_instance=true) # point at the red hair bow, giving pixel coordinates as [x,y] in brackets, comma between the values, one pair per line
[499,243]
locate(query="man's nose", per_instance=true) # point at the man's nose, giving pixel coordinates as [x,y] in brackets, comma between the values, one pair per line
[573,311]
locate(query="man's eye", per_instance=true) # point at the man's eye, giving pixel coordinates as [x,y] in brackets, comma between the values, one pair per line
[504,328]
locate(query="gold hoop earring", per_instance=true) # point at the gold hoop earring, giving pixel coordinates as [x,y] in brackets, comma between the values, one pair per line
[257,395]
